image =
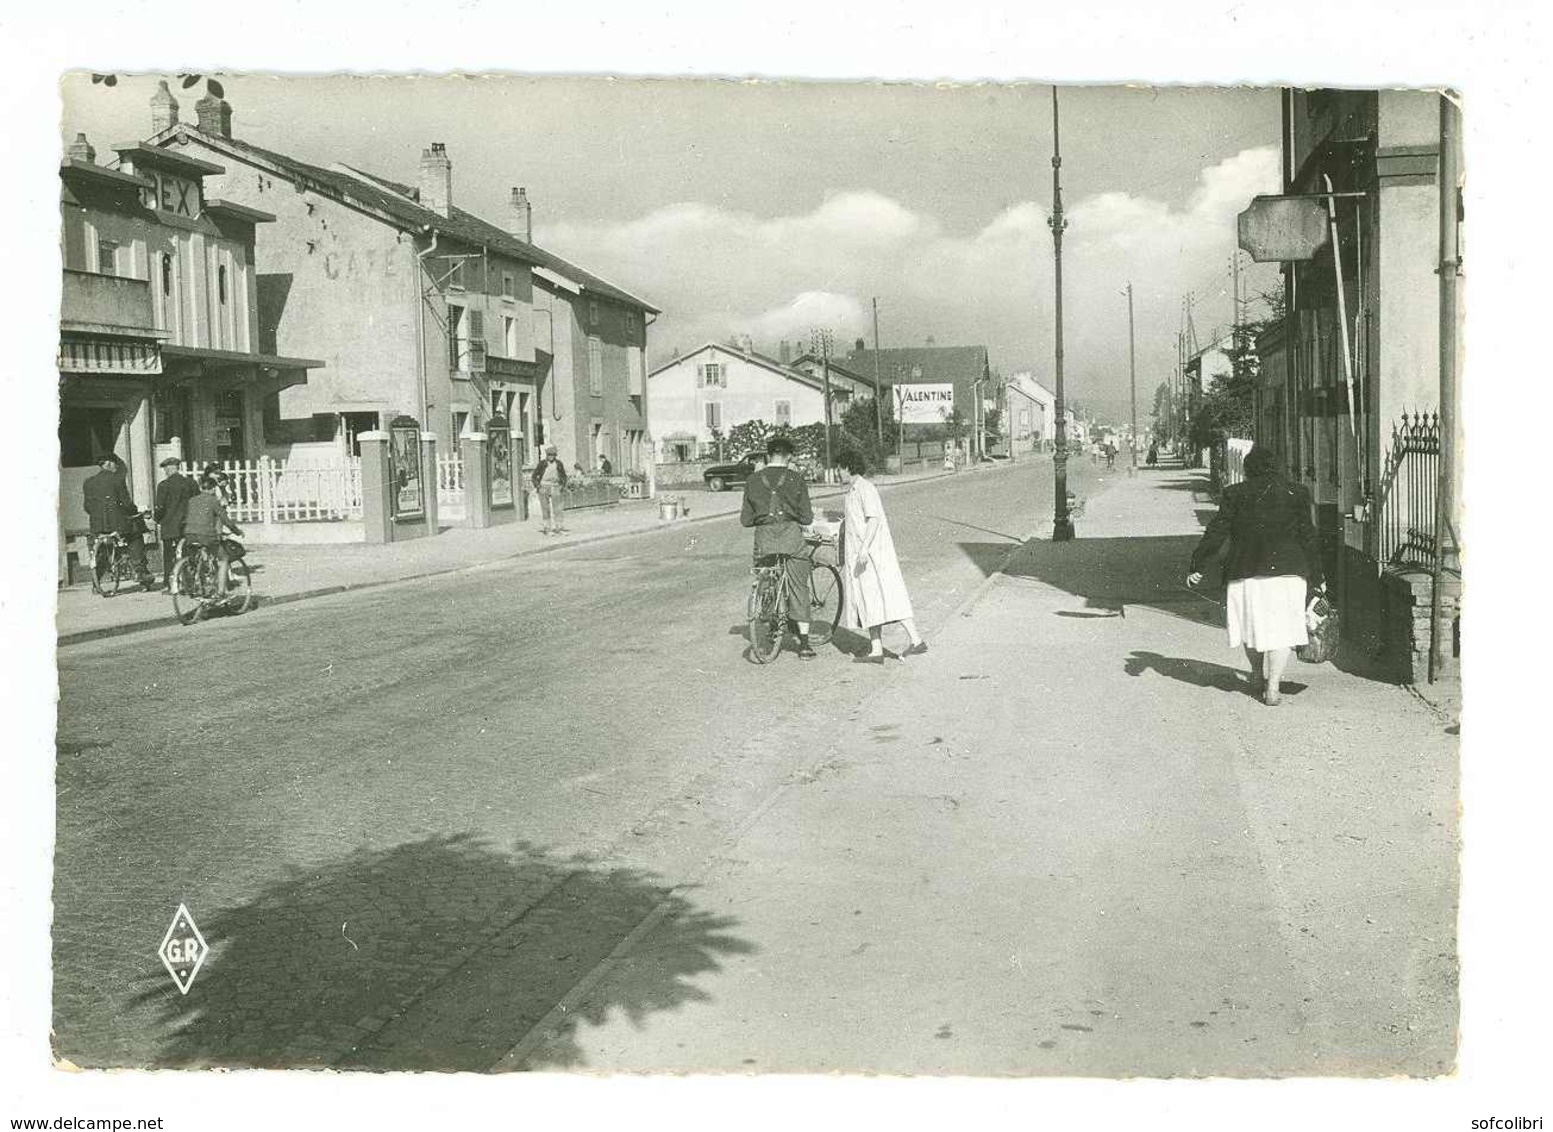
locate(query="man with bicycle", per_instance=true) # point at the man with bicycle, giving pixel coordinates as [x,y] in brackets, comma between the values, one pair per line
[111,511]
[776,504]
[205,521]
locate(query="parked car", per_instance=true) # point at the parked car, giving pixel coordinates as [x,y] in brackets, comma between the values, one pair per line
[720,477]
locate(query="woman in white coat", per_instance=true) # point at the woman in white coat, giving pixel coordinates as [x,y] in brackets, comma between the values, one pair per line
[875,591]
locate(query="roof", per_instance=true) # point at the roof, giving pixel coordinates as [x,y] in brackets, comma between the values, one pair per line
[397,201]
[836,367]
[754,356]
[154,155]
[944,363]
[72,167]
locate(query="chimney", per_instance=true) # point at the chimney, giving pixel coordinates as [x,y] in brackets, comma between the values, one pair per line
[164,108]
[214,115]
[436,179]
[522,215]
[782,355]
[81,150]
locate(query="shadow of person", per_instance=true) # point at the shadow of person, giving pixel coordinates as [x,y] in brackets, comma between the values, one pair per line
[1201,673]
[441,954]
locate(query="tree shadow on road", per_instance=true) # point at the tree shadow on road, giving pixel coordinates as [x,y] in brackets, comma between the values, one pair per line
[441,954]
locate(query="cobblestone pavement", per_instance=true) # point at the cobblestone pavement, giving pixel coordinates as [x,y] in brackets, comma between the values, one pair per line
[408,820]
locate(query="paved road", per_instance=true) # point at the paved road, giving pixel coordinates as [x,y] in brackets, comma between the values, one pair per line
[410,820]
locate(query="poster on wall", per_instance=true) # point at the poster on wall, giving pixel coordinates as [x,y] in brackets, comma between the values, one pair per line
[404,469]
[924,404]
[500,447]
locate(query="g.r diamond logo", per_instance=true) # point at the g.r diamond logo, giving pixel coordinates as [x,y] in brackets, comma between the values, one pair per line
[183,950]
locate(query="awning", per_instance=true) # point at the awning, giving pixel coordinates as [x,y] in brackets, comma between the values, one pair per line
[109,355]
[271,372]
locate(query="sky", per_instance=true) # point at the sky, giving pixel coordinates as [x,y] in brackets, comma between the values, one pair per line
[772,208]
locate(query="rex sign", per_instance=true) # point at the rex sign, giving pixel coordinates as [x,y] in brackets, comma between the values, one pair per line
[177,195]
[923,404]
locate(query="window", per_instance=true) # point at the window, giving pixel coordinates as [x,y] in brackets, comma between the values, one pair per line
[456,275]
[632,320]
[595,366]
[167,274]
[713,375]
[714,415]
[221,283]
[107,257]
[784,413]
[455,334]
[636,371]
[506,285]
[593,312]
[509,336]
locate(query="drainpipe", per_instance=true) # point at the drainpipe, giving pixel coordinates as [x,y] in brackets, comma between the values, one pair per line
[420,324]
[1450,268]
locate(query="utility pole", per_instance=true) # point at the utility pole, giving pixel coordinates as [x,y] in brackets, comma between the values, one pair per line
[1132,374]
[820,341]
[878,405]
[1062,523]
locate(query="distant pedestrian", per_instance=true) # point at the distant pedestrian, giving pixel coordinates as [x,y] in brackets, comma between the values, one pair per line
[605,468]
[875,589]
[550,482]
[1153,456]
[1271,567]
[172,501]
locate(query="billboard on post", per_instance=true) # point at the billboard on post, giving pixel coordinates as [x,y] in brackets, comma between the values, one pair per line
[924,403]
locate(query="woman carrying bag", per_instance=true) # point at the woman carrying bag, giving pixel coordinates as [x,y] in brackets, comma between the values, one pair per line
[1271,567]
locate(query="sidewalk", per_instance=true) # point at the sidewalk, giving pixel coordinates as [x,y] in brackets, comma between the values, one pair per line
[293,573]
[1067,842]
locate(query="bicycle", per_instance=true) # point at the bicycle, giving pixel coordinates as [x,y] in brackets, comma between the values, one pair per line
[110,560]
[767,605]
[196,581]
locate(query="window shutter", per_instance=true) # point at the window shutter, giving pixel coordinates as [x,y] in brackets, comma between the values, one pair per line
[476,324]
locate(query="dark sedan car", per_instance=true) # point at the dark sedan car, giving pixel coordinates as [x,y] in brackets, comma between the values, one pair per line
[720,477]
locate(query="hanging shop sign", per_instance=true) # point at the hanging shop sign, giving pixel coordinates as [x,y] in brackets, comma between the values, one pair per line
[1277,229]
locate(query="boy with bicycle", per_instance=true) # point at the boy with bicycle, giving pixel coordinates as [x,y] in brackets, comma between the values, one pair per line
[776,504]
[204,523]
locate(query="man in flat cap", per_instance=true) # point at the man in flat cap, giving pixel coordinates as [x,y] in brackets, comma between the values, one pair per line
[172,503]
[550,482]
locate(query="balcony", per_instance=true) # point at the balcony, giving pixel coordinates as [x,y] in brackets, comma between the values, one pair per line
[107,303]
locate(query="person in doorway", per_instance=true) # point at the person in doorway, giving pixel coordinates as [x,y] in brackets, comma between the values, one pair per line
[875,589]
[111,510]
[1271,567]
[605,468]
[205,522]
[776,504]
[550,482]
[172,502]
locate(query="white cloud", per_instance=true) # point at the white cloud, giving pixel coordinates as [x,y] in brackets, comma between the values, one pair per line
[716,272]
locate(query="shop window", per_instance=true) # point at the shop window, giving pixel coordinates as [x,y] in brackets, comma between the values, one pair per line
[355,424]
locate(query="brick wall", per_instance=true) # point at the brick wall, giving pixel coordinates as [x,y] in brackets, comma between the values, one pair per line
[1407,622]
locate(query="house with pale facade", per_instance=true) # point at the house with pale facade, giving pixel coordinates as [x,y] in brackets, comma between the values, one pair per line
[716,387]
[422,309]
[159,348]
[1032,411]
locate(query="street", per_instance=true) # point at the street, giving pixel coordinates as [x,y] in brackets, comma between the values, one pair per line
[544,815]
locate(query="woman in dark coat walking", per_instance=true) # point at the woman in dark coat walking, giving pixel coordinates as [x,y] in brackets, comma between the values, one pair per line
[1271,566]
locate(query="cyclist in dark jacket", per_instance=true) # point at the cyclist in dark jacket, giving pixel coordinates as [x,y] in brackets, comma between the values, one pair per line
[172,500]
[205,521]
[111,510]
[776,504]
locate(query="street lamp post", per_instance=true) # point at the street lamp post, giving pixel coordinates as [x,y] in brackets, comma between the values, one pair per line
[823,339]
[1062,523]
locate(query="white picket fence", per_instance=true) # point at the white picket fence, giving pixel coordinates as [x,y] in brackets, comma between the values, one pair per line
[272,491]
